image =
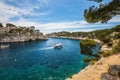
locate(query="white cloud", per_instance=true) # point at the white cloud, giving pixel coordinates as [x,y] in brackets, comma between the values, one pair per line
[42,13]
[23,22]
[61,26]
[9,11]
[69,26]
[5,14]
[115,19]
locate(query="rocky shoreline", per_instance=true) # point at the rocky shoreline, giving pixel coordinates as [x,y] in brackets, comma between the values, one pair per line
[13,33]
[94,72]
[21,39]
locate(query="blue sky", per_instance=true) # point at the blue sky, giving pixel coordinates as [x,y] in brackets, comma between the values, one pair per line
[51,15]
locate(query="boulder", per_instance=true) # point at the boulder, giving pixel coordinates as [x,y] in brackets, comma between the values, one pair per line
[114,70]
[106,76]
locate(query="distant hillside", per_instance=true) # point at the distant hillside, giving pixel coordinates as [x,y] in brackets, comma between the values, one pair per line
[13,33]
[105,35]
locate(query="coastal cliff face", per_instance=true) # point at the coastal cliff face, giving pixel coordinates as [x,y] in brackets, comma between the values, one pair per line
[12,33]
[96,71]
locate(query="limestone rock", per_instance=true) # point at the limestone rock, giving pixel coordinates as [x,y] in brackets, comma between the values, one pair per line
[114,70]
[106,76]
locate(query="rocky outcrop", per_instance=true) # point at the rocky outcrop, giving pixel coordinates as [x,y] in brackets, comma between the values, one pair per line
[114,70]
[12,33]
[105,48]
[113,73]
[21,38]
[107,76]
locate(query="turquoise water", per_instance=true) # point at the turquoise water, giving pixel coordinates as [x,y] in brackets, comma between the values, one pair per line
[40,61]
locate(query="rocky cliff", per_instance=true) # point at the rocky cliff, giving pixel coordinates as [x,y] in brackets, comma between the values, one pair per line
[105,69]
[13,33]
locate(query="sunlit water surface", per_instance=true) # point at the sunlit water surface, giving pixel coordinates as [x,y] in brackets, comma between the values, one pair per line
[40,61]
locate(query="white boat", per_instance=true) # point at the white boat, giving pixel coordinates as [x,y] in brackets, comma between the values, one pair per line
[4,46]
[58,45]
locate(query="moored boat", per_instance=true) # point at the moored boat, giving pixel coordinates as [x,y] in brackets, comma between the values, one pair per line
[4,46]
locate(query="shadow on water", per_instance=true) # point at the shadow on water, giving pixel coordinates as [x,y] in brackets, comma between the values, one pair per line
[59,48]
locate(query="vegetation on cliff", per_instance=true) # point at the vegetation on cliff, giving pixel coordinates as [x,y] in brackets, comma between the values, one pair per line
[13,33]
[105,35]
[116,48]
[87,46]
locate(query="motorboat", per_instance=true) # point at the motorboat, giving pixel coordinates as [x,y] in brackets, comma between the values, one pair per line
[58,45]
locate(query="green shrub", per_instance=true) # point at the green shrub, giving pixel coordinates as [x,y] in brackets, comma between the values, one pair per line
[116,49]
[86,59]
[106,54]
[70,76]
[92,62]
[87,46]
[109,44]
[97,55]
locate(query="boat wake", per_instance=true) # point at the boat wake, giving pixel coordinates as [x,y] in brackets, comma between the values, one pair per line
[47,48]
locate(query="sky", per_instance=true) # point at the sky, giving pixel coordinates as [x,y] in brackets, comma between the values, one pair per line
[51,15]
